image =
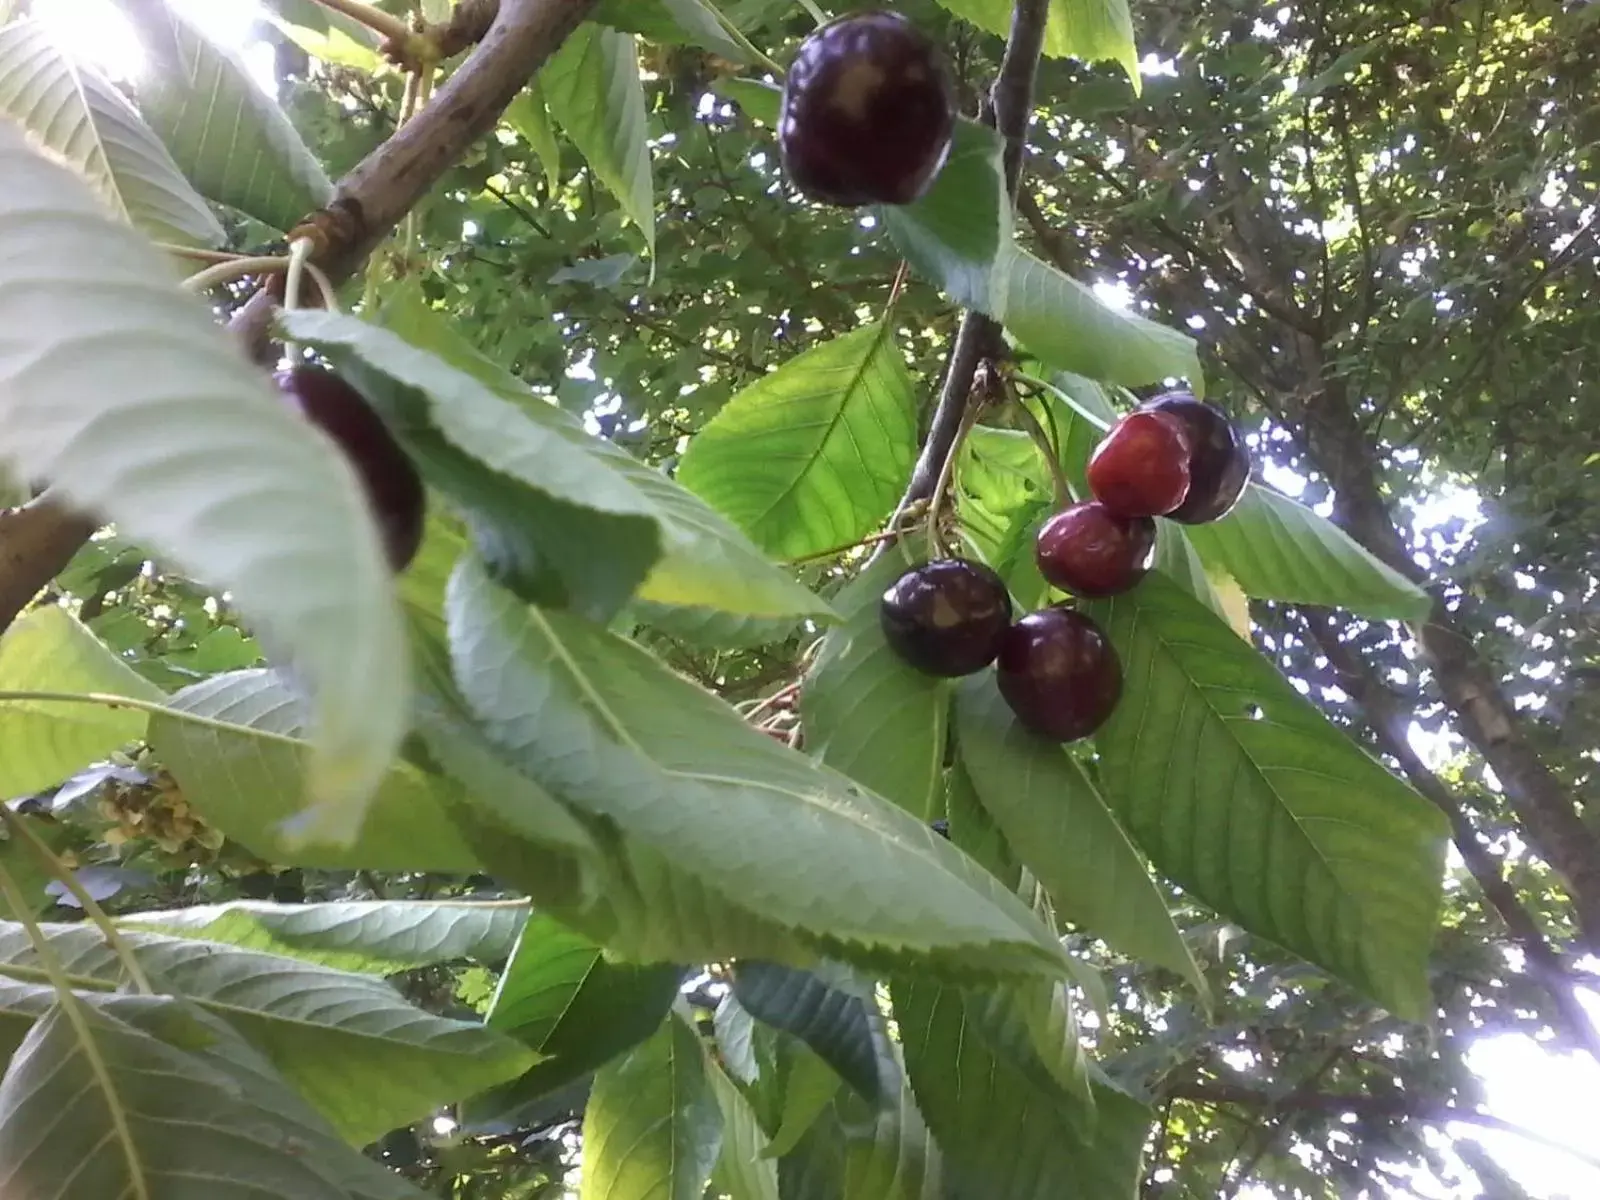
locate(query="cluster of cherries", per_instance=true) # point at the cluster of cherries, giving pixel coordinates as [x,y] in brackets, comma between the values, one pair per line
[1175,457]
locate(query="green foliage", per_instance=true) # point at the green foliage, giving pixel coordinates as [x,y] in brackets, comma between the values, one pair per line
[814,455]
[652,1126]
[559,995]
[165,1101]
[666,762]
[76,112]
[866,712]
[627,762]
[592,89]
[1249,798]
[233,143]
[316,583]
[46,740]
[1058,825]
[375,937]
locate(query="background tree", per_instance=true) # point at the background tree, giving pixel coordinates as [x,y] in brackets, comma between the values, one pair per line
[593,851]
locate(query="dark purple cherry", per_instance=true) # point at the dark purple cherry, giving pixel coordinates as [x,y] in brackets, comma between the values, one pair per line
[1059,674]
[1219,460]
[1090,551]
[947,617]
[868,112]
[389,478]
[1141,468]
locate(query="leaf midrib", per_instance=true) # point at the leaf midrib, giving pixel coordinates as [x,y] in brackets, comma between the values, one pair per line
[857,374]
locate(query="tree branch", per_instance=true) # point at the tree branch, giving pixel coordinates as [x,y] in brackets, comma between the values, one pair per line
[980,337]
[38,540]
[1386,717]
[1339,449]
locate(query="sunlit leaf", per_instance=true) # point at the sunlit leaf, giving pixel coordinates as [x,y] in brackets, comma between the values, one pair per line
[121,391]
[815,454]
[73,110]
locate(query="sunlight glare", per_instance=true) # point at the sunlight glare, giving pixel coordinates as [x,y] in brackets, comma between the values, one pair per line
[95,32]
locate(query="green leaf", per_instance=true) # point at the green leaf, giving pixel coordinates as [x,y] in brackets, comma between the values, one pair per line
[1280,550]
[77,113]
[559,524]
[561,996]
[593,90]
[367,1060]
[529,115]
[161,1100]
[122,392]
[232,742]
[866,712]
[1246,797]
[815,454]
[375,937]
[610,730]
[42,742]
[673,22]
[334,45]
[1065,325]
[831,1015]
[954,234]
[1056,822]
[745,1169]
[652,1130]
[760,101]
[1005,1134]
[1034,1029]
[227,136]
[809,1086]
[1091,30]
[705,563]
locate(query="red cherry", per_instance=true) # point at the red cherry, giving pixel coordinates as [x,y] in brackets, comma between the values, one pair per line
[1141,468]
[1219,460]
[946,617]
[394,490]
[868,112]
[1090,551]
[1059,673]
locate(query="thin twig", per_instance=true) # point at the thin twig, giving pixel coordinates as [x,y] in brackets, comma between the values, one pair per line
[1041,439]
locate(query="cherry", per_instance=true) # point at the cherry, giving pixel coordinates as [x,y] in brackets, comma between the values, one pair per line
[946,617]
[1219,460]
[1141,468]
[868,112]
[389,478]
[1090,551]
[1059,673]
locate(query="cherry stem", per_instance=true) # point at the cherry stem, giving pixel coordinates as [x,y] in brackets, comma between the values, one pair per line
[19,827]
[817,15]
[946,474]
[1052,453]
[901,275]
[197,253]
[235,268]
[737,37]
[299,252]
[872,539]
[375,19]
